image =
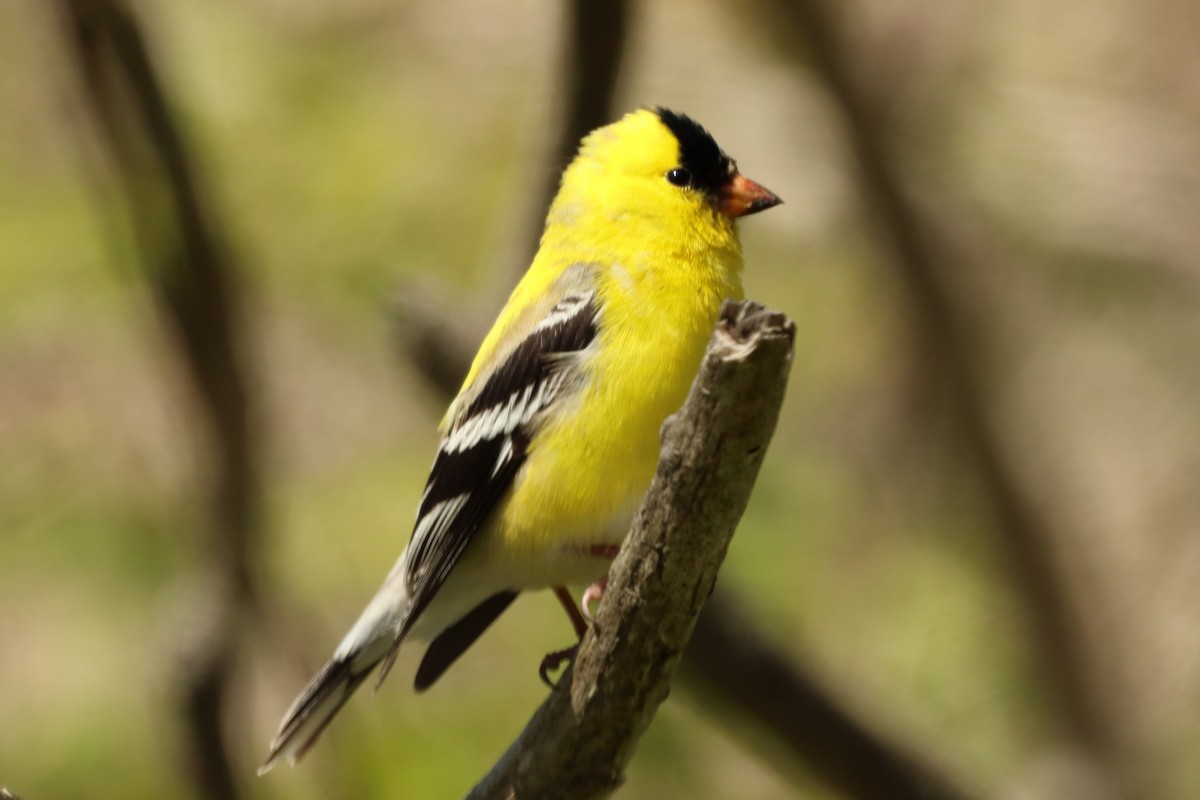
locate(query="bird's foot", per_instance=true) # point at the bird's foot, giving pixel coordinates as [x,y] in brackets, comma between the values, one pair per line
[593,594]
[553,661]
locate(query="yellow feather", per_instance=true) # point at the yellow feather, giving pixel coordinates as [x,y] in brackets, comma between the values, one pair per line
[661,260]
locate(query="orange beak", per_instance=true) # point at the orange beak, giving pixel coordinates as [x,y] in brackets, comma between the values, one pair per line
[741,196]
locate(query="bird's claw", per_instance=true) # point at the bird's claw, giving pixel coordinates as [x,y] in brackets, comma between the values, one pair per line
[593,594]
[553,661]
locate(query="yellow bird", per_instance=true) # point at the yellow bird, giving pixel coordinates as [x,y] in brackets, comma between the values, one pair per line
[553,439]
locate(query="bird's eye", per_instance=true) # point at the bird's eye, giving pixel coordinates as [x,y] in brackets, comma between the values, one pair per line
[680,177]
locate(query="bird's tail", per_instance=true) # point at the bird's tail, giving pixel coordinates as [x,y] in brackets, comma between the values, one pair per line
[376,635]
[320,701]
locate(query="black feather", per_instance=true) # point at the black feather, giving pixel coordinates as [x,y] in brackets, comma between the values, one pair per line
[699,153]
[472,473]
[338,675]
[454,641]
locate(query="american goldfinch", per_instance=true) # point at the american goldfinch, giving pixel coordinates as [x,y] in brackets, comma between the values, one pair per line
[553,439]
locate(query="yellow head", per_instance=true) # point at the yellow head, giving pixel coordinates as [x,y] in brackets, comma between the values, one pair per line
[658,178]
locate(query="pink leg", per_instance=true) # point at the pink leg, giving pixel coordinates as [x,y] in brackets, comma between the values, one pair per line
[554,660]
[568,604]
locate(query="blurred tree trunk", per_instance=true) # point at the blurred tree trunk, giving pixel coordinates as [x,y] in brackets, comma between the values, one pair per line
[187,265]
[931,259]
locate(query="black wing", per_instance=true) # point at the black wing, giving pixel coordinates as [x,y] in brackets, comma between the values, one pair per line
[484,449]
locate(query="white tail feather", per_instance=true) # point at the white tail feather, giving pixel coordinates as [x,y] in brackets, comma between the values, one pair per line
[320,701]
[372,636]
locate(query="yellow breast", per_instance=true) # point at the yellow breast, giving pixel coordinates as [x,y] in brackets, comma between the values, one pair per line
[589,466]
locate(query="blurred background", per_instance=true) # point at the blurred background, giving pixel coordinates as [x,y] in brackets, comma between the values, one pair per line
[244,247]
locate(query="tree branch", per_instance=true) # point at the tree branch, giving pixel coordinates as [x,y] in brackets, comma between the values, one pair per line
[802,715]
[579,742]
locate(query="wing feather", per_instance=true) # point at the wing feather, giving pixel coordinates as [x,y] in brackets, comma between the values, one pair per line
[485,447]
